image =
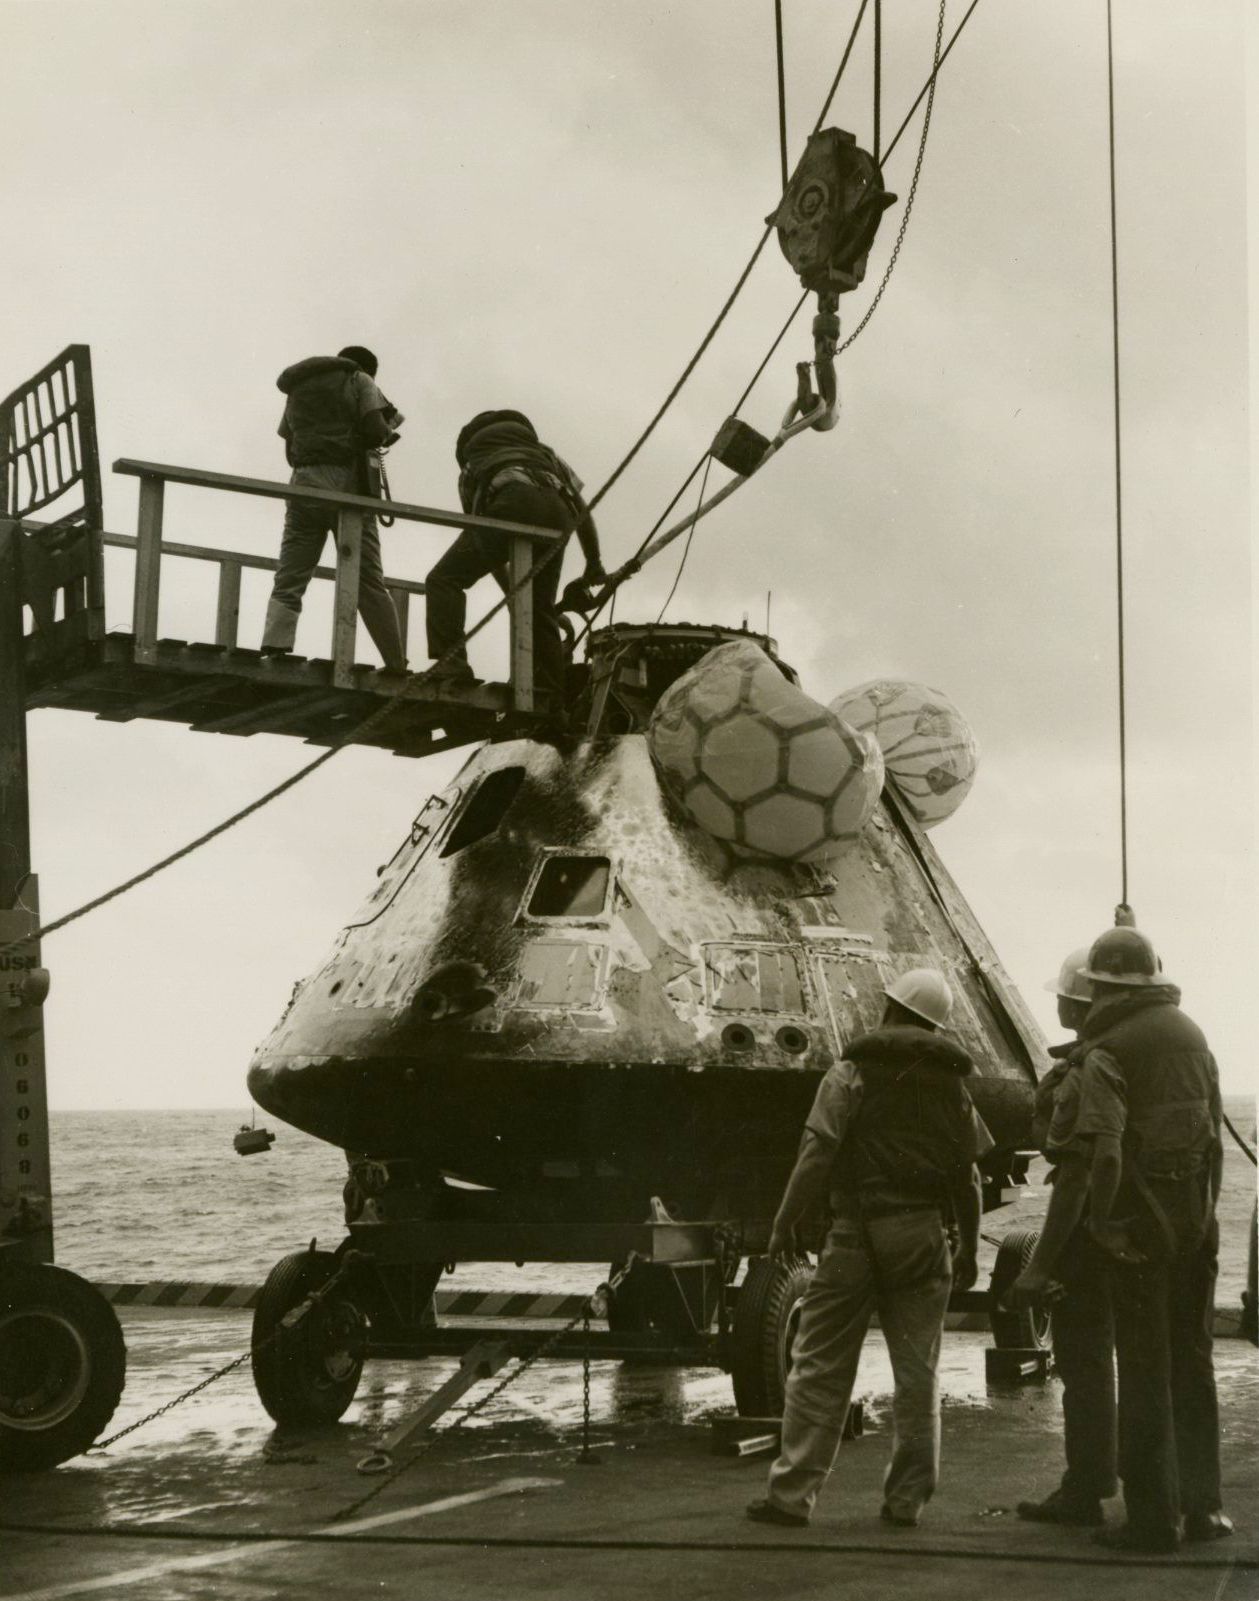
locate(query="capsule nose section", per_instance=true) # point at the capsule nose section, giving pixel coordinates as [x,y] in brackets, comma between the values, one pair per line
[311,1096]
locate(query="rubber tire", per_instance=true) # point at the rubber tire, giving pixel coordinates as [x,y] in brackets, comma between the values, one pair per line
[293,1382]
[1024,1329]
[36,1288]
[764,1324]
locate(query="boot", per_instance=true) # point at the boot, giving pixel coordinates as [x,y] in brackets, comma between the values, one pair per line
[280,629]
[1058,1507]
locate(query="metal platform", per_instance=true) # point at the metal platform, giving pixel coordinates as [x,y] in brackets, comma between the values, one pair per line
[215,690]
[63,658]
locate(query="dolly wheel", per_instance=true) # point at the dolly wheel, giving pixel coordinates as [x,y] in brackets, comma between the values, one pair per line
[1015,1328]
[766,1315]
[62,1365]
[306,1374]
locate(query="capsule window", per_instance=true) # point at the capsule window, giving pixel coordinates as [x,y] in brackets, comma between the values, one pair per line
[571,886]
[486,809]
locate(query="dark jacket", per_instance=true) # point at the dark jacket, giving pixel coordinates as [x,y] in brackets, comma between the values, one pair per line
[328,397]
[912,1139]
[1170,1086]
[504,452]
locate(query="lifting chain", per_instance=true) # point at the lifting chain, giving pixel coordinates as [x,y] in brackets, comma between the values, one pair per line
[288,1322]
[586,1456]
[595,1305]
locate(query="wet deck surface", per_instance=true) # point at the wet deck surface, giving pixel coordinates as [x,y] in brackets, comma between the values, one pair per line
[211,1501]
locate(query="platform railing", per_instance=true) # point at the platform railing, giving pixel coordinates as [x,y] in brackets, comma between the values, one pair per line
[231,564]
[523,541]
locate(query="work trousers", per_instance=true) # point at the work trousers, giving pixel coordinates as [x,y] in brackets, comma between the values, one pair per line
[900,1265]
[478,552]
[306,528]
[1084,1355]
[1169,1427]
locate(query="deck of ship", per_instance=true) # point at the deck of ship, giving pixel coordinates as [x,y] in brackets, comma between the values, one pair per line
[211,1501]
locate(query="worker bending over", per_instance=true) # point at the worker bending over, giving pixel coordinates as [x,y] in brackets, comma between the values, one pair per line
[506,472]
[1083,1324]
[894,1138]
[334,416]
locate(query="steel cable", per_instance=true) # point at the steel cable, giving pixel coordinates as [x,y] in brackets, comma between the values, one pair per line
[927,90]
[1119,596]
[782,90]
[730,300]
[556,549]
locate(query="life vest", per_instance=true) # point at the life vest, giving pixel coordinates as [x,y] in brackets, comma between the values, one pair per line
[325,396]
[911,1140]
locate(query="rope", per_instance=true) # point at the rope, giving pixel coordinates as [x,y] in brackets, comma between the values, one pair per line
[1114,300]
[595,1302]
[944,56]
[730,300]
[927,90]
[755,378]
[782,90]
[686,549]
[202,839]
[852,39]
[380,715]
[557,548]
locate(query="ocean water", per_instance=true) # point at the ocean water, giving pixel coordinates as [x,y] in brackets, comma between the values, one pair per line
[163,1195]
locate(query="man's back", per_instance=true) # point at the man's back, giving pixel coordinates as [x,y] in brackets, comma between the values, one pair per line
[328,396]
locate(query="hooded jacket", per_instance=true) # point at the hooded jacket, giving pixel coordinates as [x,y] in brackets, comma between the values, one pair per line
[328,396]
[1146,1056]
[911,1140]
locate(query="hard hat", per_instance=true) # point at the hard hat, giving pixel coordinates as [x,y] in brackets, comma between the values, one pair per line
[1124,956]
[1071,983]
[924,992]
[484,419]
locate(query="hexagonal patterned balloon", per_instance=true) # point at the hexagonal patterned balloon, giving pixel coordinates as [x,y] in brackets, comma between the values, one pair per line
[928,747]
[758,764]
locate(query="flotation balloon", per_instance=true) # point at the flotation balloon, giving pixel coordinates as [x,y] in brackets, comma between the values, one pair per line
[758,764]
[928,747]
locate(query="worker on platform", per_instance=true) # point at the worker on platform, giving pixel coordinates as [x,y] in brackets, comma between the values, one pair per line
[893,1138]
[506,472]
[1150,1102]
[1066,1253]
[334,416]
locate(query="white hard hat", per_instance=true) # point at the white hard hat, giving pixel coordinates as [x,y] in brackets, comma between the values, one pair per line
[923,991]
[1071,983]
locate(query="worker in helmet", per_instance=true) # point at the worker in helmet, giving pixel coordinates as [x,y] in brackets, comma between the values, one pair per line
[1150,1103]
[506,472]
[334,416]
[892,1139]
[1083,1325]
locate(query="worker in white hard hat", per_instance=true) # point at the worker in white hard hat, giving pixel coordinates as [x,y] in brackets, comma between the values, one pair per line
[891,1142]
[1150,1103]
[1083,1324]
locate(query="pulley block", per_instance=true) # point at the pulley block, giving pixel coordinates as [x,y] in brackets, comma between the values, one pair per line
[830,212]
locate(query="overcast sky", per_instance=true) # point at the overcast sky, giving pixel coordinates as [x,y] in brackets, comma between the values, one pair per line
[541,204]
